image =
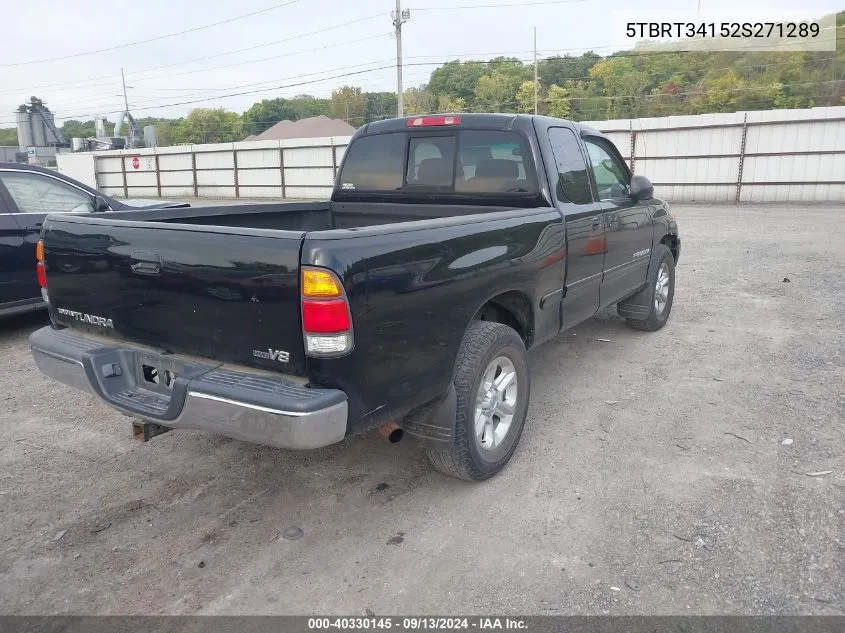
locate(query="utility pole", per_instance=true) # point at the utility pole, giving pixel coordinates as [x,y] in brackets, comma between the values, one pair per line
[125,98]
[129,121]
[536,84]
[398,18]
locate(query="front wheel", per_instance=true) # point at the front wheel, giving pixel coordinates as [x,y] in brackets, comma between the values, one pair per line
[658,294]
[492,385]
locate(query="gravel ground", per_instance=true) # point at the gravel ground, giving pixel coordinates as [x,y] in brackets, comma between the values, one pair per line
[654,475]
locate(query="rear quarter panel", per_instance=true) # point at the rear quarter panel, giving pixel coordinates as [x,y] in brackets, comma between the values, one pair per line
[413,290]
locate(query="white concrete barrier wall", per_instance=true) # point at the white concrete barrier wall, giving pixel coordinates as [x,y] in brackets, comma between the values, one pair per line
[764,156]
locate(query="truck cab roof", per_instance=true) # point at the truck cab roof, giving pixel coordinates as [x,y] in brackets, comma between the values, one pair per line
[493,121]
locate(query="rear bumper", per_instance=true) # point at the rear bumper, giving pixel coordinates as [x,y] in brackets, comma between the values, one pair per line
[239,404]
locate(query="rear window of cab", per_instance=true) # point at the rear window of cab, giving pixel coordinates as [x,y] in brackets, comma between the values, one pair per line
[459,162]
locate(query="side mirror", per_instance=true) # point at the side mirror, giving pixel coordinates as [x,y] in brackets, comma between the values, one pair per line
[100,205]
[641,188]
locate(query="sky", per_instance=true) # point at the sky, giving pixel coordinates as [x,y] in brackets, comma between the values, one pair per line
[70,53]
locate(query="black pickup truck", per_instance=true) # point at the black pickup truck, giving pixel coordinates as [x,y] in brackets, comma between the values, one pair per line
[27,195]
[450,246]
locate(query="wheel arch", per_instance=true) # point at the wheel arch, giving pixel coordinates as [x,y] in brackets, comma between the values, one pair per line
[512,308]
[673,243]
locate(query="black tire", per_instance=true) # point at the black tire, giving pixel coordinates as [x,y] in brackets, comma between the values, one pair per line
[483,343]
[661,256]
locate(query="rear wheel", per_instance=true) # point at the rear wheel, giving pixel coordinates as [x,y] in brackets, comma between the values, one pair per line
[492,386]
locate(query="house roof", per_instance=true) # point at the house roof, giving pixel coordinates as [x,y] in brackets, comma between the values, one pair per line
[314,127]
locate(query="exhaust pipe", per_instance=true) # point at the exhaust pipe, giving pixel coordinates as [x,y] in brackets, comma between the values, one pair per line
[391,432]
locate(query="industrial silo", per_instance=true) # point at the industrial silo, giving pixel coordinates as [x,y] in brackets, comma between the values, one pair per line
[39,128]
[22,118]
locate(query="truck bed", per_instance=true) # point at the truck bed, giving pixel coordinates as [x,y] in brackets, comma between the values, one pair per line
[306,216]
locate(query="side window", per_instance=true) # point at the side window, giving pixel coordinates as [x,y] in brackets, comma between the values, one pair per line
[35,193]
[374,163]
[573,183]
[431,161]
[610,175]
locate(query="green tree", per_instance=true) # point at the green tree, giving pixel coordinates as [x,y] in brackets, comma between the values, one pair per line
[557,70]
[624,84]
[165,133]
[9,137]
[209,125]
[457,80]
[419,101]
[496,92]
[558,103]
[308,106]
[266,113]
[584,101]
[349,104]
[525,97]
[727,92]
[379,105]
[445,103]
[77,129]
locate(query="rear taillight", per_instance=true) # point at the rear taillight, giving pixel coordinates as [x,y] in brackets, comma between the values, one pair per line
[426,121]
[41,270]
[42,274]
[326,319]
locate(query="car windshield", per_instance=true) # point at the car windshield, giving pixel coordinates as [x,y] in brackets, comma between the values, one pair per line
[482,162]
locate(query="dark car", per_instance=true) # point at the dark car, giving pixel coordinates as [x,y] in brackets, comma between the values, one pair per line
[451,245]
[27,195]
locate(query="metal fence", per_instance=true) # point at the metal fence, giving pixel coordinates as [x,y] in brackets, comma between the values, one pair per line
[765,156]
[298,168]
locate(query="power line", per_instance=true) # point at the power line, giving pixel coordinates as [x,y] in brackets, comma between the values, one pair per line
[263,83]
[116,107]
[192,92]
[248,92]
[269,81]
[264,59]
[132,75]
[154,39]
[252,61]
[284,40]
[497,6]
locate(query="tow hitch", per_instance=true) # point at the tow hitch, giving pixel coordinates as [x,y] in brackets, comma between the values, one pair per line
[145,431]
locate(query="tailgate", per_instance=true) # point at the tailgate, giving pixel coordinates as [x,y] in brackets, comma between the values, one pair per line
[221,293]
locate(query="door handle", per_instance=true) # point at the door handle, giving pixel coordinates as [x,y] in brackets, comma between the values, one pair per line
[597,224]
[35,227]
